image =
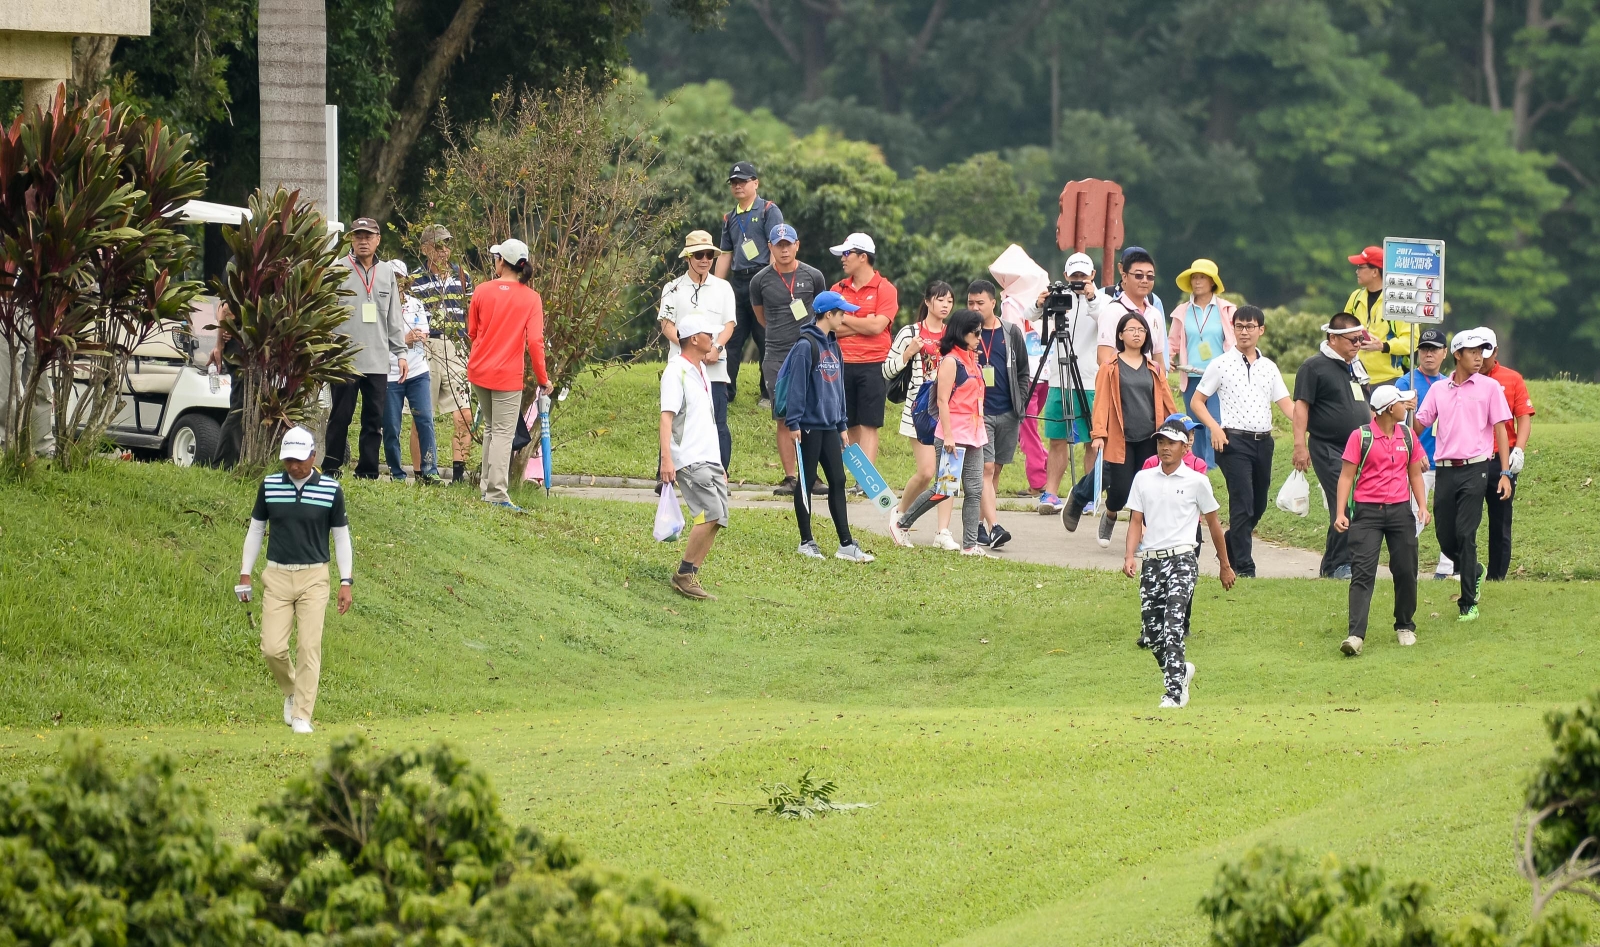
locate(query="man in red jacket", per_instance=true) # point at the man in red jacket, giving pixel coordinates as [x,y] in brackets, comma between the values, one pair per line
[506,317]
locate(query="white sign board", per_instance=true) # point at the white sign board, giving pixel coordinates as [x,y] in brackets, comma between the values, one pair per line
[1413,280]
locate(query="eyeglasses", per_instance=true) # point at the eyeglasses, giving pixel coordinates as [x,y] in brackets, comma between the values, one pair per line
[1143,277]
[704,255]
[1242,326]
[847,253]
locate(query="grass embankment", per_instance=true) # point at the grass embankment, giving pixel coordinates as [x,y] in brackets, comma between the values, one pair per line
[607,428]
[1028,791]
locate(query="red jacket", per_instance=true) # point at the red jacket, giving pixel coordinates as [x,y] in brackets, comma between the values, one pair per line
[505,317]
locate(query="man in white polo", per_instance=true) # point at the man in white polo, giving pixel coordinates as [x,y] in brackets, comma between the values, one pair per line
[303,508]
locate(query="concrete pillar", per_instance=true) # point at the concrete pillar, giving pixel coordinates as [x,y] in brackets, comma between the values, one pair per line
[39,92]
[291,48]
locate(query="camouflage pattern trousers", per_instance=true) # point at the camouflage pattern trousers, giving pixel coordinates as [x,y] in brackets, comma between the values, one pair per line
[1166,587]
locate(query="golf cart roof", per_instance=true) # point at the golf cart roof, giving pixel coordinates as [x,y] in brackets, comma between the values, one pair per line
[206,212]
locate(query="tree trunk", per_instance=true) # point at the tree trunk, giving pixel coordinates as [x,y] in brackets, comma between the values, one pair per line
[1522,115]
[292,46]
[91,59]
[381,172]
[1491,71]
[814,40]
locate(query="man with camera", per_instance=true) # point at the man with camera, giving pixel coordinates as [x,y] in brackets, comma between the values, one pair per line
[1071,312]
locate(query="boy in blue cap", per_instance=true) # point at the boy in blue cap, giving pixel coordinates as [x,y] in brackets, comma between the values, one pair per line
[809,391]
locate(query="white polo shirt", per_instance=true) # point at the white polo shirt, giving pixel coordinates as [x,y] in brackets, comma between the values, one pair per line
[1172,505]
[1248,390]
[686,392]
[714,298]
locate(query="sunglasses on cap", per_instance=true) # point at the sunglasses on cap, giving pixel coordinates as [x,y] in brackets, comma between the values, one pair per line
[704,255]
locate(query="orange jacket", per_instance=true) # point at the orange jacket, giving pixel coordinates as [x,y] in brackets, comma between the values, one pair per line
[1108,407]
[505,317]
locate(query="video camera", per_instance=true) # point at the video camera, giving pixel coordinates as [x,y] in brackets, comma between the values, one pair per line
[1060,298]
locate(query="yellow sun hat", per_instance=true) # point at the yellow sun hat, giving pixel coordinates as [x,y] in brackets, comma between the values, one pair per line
[1204,268]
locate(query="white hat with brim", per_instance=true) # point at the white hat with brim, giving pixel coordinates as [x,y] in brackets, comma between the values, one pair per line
[1470,339]
[512,251]
[696,323]
[298,444]
[856,241]
[1489,338]
[1078,263]
[1173,431]
[1385,396]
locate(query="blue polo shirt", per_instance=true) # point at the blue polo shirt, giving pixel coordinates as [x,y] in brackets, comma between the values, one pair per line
[753,225]
[1415,380]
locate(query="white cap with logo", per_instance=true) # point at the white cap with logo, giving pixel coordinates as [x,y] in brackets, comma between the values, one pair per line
[512,251]
[1471,339]
[1384,396]
[1079,264]
[856,241]
[298,444]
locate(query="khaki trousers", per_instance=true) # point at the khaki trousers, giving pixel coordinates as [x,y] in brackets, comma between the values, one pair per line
[500,410]
[294,597]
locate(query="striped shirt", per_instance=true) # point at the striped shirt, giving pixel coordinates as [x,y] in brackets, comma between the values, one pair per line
[299,518]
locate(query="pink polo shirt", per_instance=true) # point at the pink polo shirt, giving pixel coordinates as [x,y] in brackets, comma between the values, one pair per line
[1465,415]
[1383,478]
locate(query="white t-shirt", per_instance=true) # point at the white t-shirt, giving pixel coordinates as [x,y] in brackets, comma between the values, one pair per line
[1155,319]
[1248,390]
[415,316]
[714,297]
[686,392]
[1172,505]
[1084,325]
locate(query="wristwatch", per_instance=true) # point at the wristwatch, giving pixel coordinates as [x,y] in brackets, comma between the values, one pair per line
[1385,348]
[347,582]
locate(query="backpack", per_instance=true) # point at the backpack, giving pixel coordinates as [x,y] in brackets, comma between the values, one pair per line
[900,385]
[925,410]
[1408,440]
[780,387]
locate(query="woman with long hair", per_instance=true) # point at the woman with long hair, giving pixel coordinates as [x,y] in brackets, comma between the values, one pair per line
[505,318]
[1131,399]
[960,398]
[918,345]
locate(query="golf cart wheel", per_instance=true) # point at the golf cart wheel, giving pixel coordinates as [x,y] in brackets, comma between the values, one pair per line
[194,440]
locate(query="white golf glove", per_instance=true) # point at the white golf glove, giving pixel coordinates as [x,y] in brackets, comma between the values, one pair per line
[1516,461]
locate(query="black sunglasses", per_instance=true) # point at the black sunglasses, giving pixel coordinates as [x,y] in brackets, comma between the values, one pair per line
[704,255]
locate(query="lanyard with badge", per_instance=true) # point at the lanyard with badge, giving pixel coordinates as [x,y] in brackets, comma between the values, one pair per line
[1206,352]
[797,307]
[748,247]
[987,347]
[369,309]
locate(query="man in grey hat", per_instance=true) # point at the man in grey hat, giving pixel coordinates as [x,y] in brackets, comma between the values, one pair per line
[445,289]
[378,330]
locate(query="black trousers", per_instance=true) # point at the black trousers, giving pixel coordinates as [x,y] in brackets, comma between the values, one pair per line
[1372,526]
[719,411]
[1499,532]
[824,448]
[1116,478]
[1458,498]
[1327,460]
[1246,467]
[232,444]
[745,328]
[374,393]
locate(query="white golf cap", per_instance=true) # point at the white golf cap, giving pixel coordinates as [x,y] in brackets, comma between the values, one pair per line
[1470,339]
[1079,264]
[400,268]
[512,251]
[695,323]
[1384,396]
[298,444]
[856,241]
[1490,339]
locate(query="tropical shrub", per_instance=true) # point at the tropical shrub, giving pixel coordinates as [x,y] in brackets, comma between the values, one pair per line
[1561,838]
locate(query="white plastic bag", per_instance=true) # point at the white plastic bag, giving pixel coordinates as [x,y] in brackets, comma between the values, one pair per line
[1295,495]
[669,518]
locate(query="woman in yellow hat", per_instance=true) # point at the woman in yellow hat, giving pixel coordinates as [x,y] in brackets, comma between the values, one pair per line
[1202,329]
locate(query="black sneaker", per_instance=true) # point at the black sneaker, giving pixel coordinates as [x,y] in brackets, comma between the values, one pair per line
[818,488]
[999,536]
[983,535]
[1070,515]
[786,487]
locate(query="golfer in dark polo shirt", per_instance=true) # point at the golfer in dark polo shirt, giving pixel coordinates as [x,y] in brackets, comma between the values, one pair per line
[301,507]
[1330,402]
[744,254]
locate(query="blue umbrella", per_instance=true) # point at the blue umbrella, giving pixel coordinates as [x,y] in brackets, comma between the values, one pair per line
[544,438]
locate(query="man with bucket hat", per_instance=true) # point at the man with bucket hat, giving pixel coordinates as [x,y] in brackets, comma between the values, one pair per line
[745,231]
[699,292]
[1386,343]
[1202,329]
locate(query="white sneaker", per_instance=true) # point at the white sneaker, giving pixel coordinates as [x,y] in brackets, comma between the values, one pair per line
[1188,675]
[1407,638]
[1169,702]
[945,541]
[898,533]
[978,551]
[288,711]
[1108,522]
[301,725]
[853,553]
[811,550]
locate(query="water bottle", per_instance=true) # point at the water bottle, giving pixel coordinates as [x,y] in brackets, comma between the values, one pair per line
[211,376]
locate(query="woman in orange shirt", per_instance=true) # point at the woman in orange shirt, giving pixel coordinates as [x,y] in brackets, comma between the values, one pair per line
[506,317]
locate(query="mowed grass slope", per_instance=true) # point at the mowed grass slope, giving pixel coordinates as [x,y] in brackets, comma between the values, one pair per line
[998,714]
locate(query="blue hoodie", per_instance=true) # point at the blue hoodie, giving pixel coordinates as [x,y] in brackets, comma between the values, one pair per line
[815,398]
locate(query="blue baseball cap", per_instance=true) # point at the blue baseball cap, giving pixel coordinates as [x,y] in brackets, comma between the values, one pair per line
[829,301]
[783,232]
[1130,253]
[1188,423]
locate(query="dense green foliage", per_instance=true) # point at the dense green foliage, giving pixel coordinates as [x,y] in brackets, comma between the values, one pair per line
[1568,782]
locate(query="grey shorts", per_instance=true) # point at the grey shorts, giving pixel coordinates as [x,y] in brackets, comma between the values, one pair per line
[704,487]
[448,371]
[769,372]
[1003,430]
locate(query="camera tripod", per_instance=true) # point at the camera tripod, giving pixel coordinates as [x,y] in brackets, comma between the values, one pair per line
[1069,381]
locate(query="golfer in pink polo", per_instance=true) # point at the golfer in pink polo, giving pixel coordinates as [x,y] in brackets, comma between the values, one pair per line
[1470,448]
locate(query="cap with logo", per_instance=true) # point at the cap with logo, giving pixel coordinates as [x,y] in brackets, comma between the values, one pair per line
[298,444]
[781,233]
[857,241]
[1173,431]
[1470,339]
[1385,396]
[1079,264]
[1490,339]
[434,233]
[364,225]
[1188,423]
[697,241]
[1431,338]
[1371,256]
[829,301]
[512,251]
[742,171]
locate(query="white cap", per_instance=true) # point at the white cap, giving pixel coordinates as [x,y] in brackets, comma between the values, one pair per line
[1347,330]
[1492,340]
[1384,396]
[1079,263]
[512,251]
[1470,339]
[695,323]
[298,444]
[400,268]
[856,241]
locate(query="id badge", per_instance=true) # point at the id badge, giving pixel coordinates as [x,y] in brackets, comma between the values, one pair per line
[988,376]
[1355,391]
[750,249]
[798,307]
[369,312]
[1205,351]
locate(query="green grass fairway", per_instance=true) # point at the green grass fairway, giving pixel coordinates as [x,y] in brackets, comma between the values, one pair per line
[1028,792]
